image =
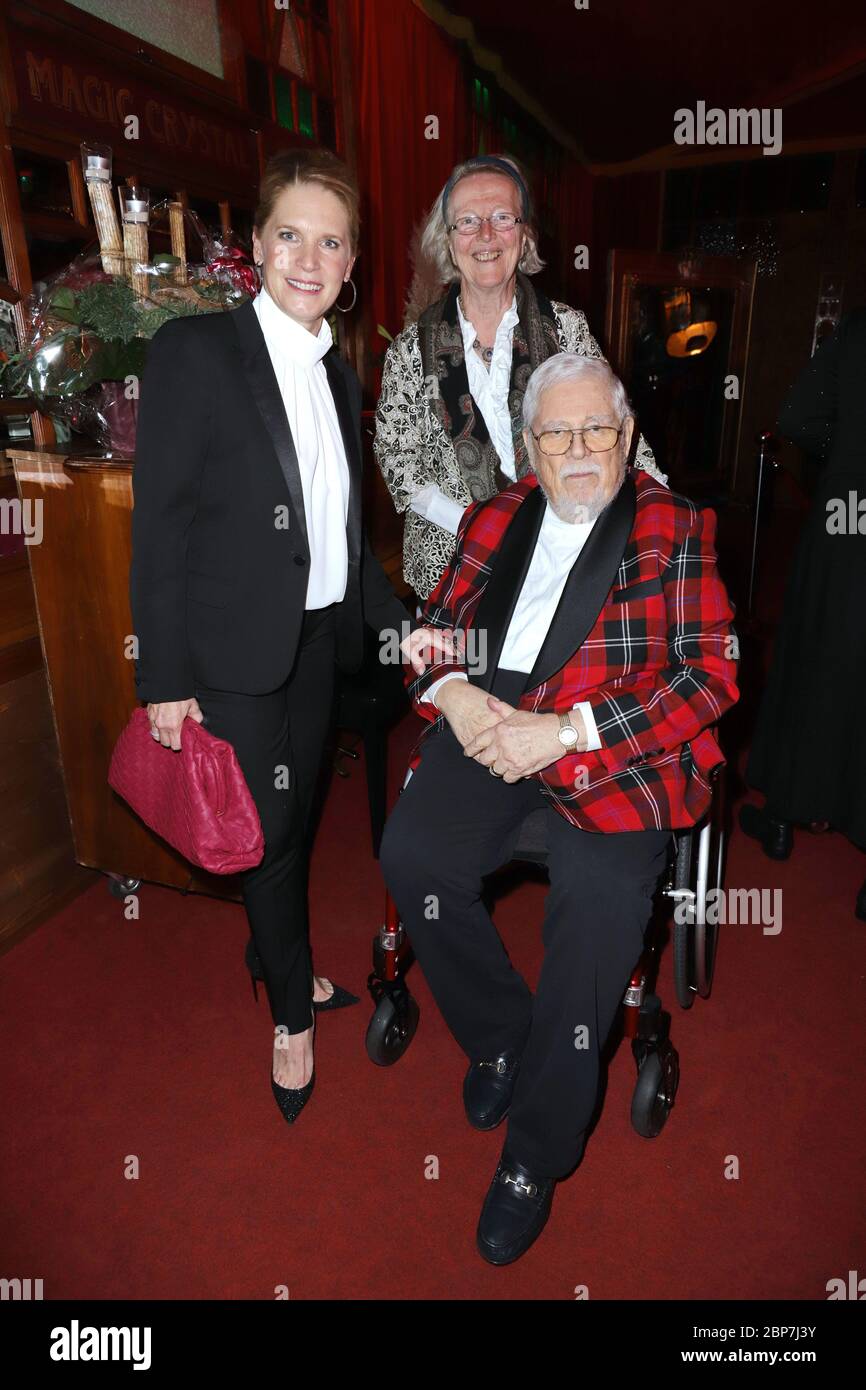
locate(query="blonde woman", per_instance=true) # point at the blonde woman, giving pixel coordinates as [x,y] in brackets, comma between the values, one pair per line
[251,575]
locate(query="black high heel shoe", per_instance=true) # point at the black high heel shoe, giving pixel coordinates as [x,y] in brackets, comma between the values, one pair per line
[291,1102]
[340,999]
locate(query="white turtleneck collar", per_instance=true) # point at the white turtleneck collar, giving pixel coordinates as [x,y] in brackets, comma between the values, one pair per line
[289,337]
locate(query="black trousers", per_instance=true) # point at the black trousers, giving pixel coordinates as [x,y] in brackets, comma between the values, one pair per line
[279,739]
[453,824]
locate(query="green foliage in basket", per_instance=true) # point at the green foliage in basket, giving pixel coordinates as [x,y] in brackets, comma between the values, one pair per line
[99,331]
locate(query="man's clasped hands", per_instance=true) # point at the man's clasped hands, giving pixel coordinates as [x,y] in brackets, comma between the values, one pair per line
[511,743]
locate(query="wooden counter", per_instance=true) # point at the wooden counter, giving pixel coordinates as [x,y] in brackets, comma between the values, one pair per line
[80,573]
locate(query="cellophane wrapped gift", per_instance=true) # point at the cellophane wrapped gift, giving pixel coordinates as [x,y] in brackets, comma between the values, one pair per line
[86,346]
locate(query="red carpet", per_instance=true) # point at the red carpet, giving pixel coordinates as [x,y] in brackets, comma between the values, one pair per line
[141,1039]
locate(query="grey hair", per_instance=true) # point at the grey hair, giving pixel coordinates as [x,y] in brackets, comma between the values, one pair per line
[571,366]
[435,244]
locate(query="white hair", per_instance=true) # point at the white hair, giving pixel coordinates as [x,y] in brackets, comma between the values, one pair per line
[571,366]
[435,244]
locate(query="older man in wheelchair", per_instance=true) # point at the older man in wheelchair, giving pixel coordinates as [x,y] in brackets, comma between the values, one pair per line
[592,652]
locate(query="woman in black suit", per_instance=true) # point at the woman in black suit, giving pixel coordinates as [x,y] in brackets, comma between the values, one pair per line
[251,574]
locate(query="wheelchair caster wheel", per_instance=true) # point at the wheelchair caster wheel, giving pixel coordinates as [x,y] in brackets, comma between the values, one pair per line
[655,1090]
[392,1028]
[122,887]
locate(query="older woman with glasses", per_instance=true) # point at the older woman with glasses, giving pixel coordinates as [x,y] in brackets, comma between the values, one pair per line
[448,422]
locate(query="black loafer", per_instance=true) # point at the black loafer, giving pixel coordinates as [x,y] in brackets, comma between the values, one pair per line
[515,1212]
[488,1088]
[776,836]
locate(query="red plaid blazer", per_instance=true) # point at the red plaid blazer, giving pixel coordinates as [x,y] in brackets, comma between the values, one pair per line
[642,631]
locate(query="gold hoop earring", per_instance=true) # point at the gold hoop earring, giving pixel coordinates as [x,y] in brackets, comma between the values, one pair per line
[351,306]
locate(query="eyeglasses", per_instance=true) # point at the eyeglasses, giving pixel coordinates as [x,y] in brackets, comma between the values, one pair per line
[470,223]
[596,438]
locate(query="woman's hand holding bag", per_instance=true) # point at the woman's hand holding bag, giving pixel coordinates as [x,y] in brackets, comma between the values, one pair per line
[198,801]
[166,720]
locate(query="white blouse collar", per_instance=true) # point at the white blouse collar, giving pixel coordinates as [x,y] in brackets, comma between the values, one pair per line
[290,337]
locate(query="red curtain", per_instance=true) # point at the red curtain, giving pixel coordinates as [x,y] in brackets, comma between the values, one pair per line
[406,71]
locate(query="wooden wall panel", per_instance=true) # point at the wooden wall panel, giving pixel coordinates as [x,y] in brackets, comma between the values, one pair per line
[38,872]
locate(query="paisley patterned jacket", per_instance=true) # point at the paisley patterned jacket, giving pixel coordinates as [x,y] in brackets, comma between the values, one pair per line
[412,448]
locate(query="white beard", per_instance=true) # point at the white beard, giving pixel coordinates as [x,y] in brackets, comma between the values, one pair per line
[576,512]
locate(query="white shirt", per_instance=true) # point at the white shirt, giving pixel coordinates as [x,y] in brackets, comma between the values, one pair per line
[489,387]
[489,390]
[296,355]
[558,545]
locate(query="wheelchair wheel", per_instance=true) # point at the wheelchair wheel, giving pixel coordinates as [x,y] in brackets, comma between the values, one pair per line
[710,878]
[655,1091]
[699,870]
[392,1027]
[684,936]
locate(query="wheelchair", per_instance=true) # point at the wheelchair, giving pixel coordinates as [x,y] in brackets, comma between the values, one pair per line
[695,867]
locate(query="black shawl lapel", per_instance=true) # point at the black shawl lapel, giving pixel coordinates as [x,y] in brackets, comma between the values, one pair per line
[507,574]
[349,429]
[262,381]
[589,582]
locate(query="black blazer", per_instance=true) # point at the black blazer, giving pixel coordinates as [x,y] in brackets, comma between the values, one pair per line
[220,557]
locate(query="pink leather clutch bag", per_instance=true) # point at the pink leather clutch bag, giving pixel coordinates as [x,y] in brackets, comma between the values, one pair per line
[196,799]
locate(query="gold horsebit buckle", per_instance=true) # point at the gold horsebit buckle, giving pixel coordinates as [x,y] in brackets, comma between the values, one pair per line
[528,1187]
[498,1066]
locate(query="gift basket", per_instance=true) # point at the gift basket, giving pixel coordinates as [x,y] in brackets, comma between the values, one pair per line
[90,324]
